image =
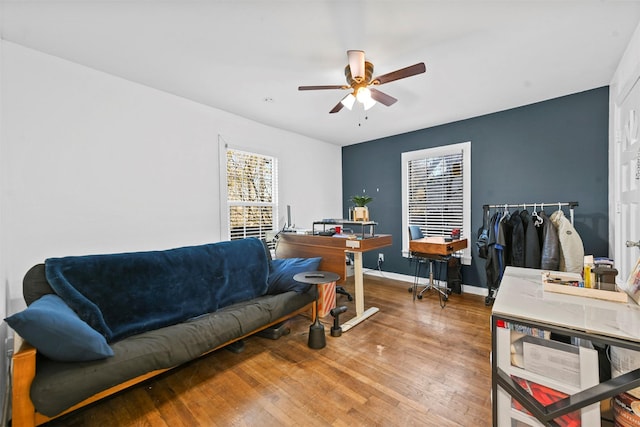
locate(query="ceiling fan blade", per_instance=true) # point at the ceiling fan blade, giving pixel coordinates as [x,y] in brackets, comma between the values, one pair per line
[382,97]
[337,108]
[402,73]
[323,87]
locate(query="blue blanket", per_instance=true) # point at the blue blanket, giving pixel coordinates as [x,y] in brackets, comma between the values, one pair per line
[125,294]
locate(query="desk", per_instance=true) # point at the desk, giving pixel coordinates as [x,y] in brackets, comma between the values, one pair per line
[433,251]
[522,301]
[332,250]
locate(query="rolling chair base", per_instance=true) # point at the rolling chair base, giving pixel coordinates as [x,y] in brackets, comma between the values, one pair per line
[444,291]
[342,291]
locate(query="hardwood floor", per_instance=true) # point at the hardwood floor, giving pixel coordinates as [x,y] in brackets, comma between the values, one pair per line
[413,363]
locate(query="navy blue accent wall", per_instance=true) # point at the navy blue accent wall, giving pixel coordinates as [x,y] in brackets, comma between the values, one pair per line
[551,151]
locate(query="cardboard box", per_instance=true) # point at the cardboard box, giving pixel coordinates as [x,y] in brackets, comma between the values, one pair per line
[326,298]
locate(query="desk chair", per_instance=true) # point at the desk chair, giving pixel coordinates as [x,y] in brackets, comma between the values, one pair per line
[340,290]
[422,258]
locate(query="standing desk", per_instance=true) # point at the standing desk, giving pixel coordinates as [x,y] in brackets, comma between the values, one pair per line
[332,250]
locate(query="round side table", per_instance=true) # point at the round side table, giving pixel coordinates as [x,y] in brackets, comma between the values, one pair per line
[317,338]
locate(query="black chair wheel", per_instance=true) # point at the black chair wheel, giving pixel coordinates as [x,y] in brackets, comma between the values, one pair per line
[445,297]
[419,296]
[349,297]
[410,289]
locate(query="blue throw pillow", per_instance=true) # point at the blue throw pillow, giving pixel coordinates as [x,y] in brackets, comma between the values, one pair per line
[57,332]
[282,272]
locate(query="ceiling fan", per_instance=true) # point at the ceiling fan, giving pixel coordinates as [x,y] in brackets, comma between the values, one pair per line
[358,74]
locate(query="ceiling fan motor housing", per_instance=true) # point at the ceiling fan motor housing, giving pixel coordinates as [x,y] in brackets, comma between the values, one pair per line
[355,81]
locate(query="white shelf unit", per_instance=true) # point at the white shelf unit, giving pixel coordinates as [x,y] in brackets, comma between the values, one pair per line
[522,301]
[588,377]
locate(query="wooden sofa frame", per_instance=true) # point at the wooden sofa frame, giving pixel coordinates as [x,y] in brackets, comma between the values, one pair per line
[24,371]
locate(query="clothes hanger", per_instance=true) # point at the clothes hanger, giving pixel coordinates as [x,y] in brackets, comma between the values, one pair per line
[539,219]
[505,215]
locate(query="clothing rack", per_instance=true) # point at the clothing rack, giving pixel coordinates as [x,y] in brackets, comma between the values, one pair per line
[491,289]
[571,205]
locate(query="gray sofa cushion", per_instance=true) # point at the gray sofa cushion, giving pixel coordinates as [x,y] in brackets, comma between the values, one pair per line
[58,386]
[35,285]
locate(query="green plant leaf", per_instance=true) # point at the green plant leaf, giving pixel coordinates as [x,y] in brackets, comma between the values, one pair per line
[361,201]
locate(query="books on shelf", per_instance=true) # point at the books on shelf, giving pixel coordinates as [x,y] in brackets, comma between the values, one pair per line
[527,330]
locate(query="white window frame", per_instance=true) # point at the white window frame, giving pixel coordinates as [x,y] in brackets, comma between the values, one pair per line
[226,205]
[440,151]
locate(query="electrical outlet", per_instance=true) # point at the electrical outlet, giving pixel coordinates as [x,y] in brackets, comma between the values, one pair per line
[380,258]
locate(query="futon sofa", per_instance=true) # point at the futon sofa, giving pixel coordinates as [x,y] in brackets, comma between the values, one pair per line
[97,324]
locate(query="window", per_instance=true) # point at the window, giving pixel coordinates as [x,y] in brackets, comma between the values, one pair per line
[252,194]
[436,192]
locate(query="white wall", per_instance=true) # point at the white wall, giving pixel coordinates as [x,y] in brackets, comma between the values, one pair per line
[4,289]
[93,163]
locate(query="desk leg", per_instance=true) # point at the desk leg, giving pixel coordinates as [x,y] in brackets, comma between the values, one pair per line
[361,314]
[359,282]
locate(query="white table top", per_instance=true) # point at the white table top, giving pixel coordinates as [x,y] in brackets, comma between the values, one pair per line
[521,296]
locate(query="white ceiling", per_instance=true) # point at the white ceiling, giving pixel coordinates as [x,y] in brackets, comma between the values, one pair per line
[249,57]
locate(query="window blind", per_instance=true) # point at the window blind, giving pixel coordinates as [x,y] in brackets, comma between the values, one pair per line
[435,194]
[252,194]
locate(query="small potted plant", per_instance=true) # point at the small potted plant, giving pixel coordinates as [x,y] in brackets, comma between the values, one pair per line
[361,211]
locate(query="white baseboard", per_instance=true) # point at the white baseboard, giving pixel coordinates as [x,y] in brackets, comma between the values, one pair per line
[467,289]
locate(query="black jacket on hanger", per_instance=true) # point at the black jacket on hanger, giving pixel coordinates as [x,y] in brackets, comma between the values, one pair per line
[517,240]
[531,241]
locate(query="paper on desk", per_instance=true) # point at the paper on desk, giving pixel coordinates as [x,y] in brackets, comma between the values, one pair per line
[434,239]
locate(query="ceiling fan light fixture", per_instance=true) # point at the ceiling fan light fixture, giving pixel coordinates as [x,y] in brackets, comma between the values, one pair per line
[368,103]
[363,96]
[348,101]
